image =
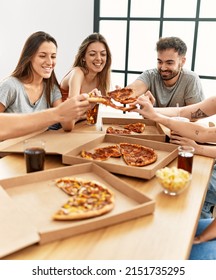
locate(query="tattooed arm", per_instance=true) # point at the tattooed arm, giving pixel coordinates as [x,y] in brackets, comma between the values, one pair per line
[194,112]
[200,110]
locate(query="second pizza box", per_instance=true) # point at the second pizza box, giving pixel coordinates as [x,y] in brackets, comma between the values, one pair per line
[28,203]
[153,130]
[165,154]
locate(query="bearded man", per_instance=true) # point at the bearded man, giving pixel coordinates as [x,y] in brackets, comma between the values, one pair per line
[169,83]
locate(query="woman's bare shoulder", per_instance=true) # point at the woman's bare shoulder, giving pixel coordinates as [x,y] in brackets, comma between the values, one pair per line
[75,71]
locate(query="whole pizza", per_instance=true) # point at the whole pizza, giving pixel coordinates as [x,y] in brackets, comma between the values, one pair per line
[87,199]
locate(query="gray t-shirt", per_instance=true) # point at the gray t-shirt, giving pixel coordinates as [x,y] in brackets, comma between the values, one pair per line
[15,99]
[187,90]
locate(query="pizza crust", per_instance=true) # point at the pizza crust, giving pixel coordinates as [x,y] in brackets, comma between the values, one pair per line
[60,215]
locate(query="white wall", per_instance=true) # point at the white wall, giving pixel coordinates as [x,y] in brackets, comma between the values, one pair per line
[68,21]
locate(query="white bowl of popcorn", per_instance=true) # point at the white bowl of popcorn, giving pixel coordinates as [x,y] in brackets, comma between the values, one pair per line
[173,180]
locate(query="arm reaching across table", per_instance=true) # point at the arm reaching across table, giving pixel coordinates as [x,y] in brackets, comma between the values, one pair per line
[15,125]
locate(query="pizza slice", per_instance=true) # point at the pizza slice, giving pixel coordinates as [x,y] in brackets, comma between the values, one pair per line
[102,153]
[87,199]
[137,155]
[135,127]
[111,130]
[108,102]
[124,95]
[127,128]
[112,151]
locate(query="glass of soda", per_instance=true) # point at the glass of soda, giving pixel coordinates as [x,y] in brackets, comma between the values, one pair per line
[185,158]
[34,154]
[92,114]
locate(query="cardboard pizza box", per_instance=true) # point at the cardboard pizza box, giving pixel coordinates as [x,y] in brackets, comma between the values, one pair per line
[153,130]
[28,203]
[165,154]
[17,232]
[56,141]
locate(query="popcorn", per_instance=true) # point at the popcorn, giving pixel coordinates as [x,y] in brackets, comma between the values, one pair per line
[173,179]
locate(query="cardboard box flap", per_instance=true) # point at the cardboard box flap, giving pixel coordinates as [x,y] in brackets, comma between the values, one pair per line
[57,142]
[16,229]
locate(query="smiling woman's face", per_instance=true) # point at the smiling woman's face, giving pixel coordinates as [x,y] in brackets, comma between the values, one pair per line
[95,57]
[44,60]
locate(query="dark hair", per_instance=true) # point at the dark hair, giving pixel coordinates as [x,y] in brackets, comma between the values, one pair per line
[104,75]
[23,70]
[172,43]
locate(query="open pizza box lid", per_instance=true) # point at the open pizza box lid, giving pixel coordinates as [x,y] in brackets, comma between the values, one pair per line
[56,141]
[16,229]
[28,203]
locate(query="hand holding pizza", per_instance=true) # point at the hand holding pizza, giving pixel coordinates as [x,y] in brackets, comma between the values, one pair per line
[149,95]
[123,96]
[95,93]
[146,108]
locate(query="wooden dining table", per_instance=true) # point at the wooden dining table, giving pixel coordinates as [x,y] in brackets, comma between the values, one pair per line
[166,234]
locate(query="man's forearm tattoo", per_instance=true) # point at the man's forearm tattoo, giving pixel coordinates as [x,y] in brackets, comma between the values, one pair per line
[198,115]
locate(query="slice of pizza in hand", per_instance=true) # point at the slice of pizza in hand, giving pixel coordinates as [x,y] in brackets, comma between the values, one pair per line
[108,102]
[124,95]
[137,155]
[88,199]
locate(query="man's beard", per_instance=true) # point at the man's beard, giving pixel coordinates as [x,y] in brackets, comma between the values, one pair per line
[171,74]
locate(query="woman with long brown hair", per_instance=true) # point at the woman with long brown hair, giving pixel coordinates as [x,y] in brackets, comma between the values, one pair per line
[33,86]
[91,68]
